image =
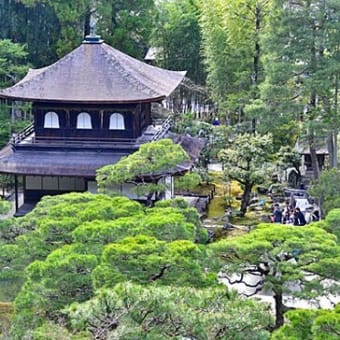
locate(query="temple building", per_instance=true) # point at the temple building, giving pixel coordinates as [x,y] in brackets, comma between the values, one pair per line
[90,108]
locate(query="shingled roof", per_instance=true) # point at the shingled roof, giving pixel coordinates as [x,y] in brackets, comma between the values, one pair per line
[95,73]
[82,162]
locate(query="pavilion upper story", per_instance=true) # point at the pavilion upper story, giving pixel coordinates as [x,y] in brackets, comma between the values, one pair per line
[94,93]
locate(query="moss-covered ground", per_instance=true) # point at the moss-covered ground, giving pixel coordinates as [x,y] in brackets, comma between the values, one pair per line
[6,311]
[226,195]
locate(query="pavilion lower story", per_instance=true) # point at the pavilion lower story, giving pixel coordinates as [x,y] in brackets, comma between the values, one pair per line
[39,172]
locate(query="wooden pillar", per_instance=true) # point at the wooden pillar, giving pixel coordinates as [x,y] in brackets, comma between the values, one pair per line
[101,117]
[16,193]
[136,121]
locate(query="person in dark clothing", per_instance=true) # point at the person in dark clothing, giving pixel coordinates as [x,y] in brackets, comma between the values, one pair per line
[299,217]
[315,215]
[287,218]
[216,121]
[277,214]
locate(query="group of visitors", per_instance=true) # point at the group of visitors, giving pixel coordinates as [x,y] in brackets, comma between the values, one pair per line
[288,215]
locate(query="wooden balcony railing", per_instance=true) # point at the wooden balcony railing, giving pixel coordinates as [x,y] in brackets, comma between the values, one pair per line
[20,136]
[166,125]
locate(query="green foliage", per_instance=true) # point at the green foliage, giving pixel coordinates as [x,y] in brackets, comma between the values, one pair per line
[178,38]
[332,223]
[281,254]
[220,137]
[13,64]
[129,311]
[95,220]
[232,50]
[167,224]
[11,276]
[186,122]
[177,202]
[327,188]
[310,325]
[145,259]
[50,226]
[288,158]
[5,206]
[51,285]
[301,81]
[126,25]
[191,215]
[56,27]
[188,182]
[51,331]
[245,160]
[58,253]
[144,168]
[34,24]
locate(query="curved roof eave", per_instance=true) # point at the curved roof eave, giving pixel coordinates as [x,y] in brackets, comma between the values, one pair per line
[52,100]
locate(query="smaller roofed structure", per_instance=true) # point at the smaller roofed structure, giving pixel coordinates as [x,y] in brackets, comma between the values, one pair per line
[302,147]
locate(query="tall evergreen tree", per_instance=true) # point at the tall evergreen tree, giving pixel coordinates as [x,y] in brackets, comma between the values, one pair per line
[300,62]
[231,44]
[126,25]
[32,23]
[177,36]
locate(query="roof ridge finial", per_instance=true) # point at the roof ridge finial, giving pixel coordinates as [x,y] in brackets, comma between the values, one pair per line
[93,38]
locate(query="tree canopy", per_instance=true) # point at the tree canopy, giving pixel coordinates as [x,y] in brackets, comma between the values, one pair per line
[283,259]
[146,169]
[131,311]
[177,37]
[244,160]
[310,325]
[73,244]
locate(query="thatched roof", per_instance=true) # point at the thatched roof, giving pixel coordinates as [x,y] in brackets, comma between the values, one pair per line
[95,73]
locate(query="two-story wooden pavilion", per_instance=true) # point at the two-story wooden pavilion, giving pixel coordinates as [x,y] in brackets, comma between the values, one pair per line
[90,108]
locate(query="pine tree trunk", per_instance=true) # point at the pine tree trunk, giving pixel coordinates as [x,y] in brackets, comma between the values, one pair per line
[279,310]
[245,198]
[336,130]
[332,148]
[335,156]
[149,202]
[314,159]
[313,104]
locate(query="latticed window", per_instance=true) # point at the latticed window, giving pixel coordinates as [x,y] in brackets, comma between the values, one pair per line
[51,120]
[117,122]
[84,121]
